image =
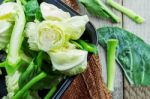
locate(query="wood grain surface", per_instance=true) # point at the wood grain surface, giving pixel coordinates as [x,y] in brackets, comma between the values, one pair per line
[142,7]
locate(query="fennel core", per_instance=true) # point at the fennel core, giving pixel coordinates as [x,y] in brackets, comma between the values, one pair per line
[111,68]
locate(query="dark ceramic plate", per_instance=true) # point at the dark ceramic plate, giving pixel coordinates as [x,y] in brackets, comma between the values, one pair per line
[90,34]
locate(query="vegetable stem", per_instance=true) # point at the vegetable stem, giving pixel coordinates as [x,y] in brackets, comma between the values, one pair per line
[111,51]
[25,58]
[2,64]
[88,47]
[51,92]
[126,11]
[20,93]
[16,40]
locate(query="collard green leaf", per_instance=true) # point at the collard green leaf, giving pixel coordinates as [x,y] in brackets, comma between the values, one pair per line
[132,54]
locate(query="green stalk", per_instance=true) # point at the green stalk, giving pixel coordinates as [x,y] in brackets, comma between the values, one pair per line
[88,47]
[25,58]
[2,64]
[16,40]
[111,68]
[51,92]
[126,11]
[20,93]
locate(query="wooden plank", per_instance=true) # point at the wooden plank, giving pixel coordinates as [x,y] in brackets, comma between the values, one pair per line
[118,92]
[142,7]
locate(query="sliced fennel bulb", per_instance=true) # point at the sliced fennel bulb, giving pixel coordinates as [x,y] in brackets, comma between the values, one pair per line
[69,61]
[51,12]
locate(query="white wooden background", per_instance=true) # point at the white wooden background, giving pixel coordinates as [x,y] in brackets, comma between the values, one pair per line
[141,7]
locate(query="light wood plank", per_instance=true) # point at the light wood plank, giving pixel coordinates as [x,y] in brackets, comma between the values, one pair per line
[118,92]
[142,7]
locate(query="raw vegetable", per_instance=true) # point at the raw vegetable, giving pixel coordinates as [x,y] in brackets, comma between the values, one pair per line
[126,11]
[99,9]
[132,54]
[69,61]
[88,47]
[13,57]
[111,66]
[5,33]
[38,52]
[56,13]
[32,11]
[57,34]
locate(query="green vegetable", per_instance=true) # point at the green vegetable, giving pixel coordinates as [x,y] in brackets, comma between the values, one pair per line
[88,47]
[69,61]
[51,12]
[75,26]
[12,84]
[5,33]
[126,11]
[111,68]
[98,8]
[13,57]
[132,54]
[56,34]
[33,69]
[37,78]
[32,11]
[52,91]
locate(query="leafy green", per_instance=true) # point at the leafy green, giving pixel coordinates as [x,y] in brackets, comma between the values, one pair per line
[99,9]
[32,11]
[132,54]
[111,66]
[128,12]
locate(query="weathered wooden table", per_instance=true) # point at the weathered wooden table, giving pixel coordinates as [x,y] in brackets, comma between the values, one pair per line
[142,7]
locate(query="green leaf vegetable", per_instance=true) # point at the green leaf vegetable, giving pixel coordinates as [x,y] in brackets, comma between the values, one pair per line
[111,66]
[33,11]
[126,11]
[132,54]
[98,8]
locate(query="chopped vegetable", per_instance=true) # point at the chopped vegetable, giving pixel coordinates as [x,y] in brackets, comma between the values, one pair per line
[55,14]
[111,66]
[99,9]
[69,61]
[126,11]
[132,54]
[38,48]
[88,47]
[13,57]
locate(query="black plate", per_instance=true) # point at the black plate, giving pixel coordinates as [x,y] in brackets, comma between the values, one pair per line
[90,34]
